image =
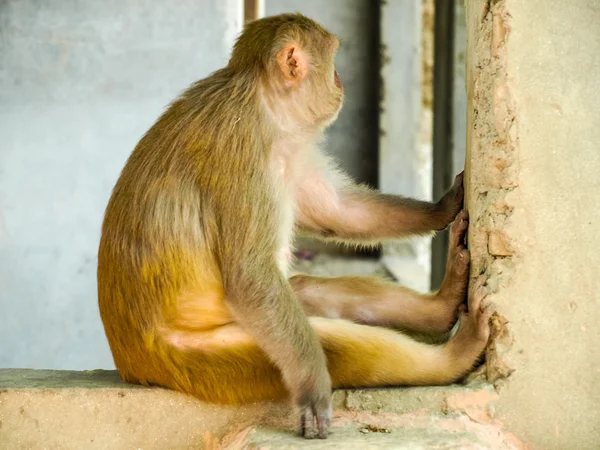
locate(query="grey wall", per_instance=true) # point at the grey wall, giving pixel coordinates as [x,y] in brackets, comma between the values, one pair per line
[80,82]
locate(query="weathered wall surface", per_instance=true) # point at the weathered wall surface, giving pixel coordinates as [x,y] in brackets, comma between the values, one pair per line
[80,82]
[533,179]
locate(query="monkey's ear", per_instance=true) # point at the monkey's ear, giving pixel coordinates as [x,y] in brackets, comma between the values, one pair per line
[292,63]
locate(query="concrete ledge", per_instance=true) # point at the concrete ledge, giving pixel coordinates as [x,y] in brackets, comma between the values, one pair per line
[95,409]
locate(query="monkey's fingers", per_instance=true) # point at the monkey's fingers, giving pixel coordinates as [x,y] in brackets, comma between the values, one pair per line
[322,426]
[307,424]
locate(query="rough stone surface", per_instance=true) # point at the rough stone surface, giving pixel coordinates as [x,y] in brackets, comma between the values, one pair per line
[95,409]
[490,161]
[532,184]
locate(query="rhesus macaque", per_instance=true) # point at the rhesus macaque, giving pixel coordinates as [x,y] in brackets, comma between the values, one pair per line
[193,262]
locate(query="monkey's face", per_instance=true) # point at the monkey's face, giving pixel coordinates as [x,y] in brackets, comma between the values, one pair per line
[304,89]
[295,58]
[335,90]
[322,89]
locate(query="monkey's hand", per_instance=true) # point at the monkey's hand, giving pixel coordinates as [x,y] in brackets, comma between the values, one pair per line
[452,201]
[314,400]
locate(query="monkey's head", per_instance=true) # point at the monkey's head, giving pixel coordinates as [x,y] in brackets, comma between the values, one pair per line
[293,60]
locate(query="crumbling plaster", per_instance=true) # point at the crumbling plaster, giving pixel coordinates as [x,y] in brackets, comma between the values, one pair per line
[533,161]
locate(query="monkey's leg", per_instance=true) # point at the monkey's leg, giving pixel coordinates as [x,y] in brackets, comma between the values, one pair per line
[364,356]
[373,301]
[227,366]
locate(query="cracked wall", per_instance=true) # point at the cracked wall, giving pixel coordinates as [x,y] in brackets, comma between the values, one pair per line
[533,157]
[492,167]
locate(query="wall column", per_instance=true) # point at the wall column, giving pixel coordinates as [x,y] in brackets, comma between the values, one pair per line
[533,193]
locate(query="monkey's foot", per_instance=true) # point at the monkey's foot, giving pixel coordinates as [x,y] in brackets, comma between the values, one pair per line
[474,330]
[454,287]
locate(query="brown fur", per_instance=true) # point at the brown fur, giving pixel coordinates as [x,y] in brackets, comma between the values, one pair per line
[192,272]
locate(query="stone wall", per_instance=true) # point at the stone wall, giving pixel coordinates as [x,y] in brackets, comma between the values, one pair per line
[533,157]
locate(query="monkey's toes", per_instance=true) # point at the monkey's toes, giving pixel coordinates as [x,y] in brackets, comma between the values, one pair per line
[478,314]
[461,265]
[454,286]
[477,294]
[453,290]
[458,229]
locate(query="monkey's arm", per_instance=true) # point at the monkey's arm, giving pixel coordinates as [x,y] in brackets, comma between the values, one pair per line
[331,206]
[263,303]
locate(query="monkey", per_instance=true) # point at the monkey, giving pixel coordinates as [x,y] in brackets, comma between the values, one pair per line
[194,285]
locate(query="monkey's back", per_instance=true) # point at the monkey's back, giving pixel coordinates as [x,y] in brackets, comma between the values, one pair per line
[159,254]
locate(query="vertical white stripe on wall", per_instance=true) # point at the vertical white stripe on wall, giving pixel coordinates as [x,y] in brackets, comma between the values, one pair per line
[404,164]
